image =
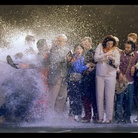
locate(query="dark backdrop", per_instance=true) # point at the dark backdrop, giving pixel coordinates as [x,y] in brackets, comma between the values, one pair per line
[76,21]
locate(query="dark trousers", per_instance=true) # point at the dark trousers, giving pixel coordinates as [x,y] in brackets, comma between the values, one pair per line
[89,95]
[87,104]
[74,94]
[135,96]
[123,104]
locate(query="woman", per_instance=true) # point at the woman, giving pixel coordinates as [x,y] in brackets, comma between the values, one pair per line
[75,70]
[108,59]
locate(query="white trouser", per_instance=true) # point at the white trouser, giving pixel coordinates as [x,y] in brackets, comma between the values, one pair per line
[105,90]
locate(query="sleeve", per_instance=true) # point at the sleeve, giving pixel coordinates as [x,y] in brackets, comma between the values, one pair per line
[116,58]
[98,55]
[79,67]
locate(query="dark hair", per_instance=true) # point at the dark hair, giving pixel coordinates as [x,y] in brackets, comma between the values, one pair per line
[76,45]
[18,55]
[108,38]
[133,45]
[41,43]
[29,38]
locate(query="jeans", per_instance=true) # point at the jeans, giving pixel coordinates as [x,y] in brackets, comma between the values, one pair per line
[123,104]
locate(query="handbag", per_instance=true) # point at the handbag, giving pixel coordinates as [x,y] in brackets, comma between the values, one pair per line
[121,86]
[75,77]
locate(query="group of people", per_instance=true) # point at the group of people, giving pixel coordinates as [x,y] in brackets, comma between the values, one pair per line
[113,62]
[91,79]
[25,87]
[87,77]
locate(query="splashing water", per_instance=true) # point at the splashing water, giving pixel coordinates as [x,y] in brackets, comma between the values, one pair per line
[76,22]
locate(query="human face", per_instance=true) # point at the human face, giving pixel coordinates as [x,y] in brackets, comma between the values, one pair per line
[79,50]
[41,49]
[109,45]
[61,41]
[86,44]
[128,48]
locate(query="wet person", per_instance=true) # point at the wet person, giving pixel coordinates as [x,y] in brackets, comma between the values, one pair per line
[108,60]
[36,73]
[57,73]
[19,89]
[133,37]
[124,100]
[43,58]
[77,66]
[30,43]
[88,83]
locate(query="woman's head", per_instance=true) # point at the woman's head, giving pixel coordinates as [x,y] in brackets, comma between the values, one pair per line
[86,42]
[109,41]
[78,49]
[133,37]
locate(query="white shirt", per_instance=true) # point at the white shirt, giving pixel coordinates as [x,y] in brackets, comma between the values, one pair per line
[102,66]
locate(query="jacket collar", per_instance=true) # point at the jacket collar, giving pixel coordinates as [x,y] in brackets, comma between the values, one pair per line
[130,54]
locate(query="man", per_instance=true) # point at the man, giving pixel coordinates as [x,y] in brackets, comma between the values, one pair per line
[123,104]
[30,43]
[88,83]
[57,73]
[133,37]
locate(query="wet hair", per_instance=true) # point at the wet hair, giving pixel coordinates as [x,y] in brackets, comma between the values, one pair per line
[108,38]
[87,38]
[133,35]
[29,38]
[41,43]
[76,45]
[133,45]
[62,35]
[18,55]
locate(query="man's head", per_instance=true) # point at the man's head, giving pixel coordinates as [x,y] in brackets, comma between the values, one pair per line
[30,39]
[42,45]
[61,40]
[129,47]
[18,55]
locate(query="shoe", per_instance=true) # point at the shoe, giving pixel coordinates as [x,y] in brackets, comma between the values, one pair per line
[108,122]
[77,118]
[95,119]
[135,120]
[85,120]
[10,62]
[127,121]
[119,121]
[100,121]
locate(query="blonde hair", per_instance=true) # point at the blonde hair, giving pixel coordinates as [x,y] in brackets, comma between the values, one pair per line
[87,38]
[133,36]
